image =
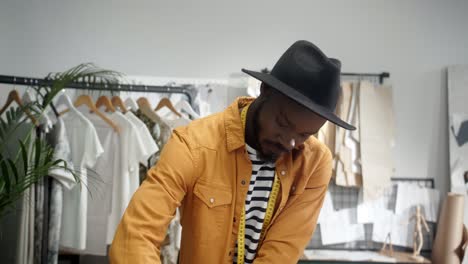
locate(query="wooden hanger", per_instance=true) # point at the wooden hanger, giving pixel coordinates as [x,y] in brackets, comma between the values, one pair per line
[145,107]
[14,96]
[117,102]
[165,102]
[88,101]
[106,102]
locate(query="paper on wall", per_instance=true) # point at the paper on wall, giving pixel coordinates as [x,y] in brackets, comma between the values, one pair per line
[398,226]
[457,177]
[341,227]
[410,195]
[344,175]
[374,210]
[377,137]
[327,209]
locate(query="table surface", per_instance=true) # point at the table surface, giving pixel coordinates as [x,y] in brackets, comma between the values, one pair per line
[401,257]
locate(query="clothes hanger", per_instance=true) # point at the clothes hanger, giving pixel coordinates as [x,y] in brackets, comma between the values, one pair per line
[14,96]
[88,101]
[65,100]
[117,102]
[131,104]
[165,102]
[184,105]
[145,107]
[28,97]
[106,102]
[43,119]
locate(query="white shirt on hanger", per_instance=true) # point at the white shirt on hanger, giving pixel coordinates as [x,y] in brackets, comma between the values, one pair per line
[100,188]
[132,152]
[148,142]
[85,149]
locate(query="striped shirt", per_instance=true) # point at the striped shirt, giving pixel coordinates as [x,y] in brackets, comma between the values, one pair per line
[256,202]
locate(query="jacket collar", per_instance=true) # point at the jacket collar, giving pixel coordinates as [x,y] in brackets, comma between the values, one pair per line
[235,134]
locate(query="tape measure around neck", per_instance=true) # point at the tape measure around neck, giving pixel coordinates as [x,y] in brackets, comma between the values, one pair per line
[268,214]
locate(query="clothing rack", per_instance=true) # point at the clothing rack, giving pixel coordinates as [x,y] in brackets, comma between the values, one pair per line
[188,90]
[381,75]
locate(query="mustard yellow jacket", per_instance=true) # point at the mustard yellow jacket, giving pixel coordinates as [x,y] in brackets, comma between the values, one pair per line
[204,170]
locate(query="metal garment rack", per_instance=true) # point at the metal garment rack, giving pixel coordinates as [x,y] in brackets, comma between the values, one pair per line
[188,90]
[381,75]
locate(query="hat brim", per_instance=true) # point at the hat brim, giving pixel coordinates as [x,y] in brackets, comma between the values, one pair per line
[299,97]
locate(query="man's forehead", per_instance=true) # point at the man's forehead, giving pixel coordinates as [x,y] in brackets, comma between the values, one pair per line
[289,107]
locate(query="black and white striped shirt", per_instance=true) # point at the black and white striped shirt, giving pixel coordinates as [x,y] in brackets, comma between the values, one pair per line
[256,202]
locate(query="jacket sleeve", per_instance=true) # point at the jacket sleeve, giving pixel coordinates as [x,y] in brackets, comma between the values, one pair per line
[146,219]
[292,229]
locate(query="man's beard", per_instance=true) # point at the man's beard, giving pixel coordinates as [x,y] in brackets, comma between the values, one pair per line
[271,158]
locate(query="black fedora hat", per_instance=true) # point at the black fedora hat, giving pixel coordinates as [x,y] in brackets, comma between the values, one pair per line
[306,75]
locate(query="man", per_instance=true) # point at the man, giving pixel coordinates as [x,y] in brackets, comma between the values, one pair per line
[250,181]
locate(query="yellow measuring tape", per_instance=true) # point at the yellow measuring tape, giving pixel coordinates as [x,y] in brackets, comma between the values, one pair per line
[268,213]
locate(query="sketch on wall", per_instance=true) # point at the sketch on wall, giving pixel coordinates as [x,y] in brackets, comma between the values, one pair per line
[458,131]
[462,135]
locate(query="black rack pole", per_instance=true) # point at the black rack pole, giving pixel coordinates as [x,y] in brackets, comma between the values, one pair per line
[381,75]
[188,90]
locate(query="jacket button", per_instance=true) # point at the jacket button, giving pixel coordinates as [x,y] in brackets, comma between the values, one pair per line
[283,172]
[293,188]
[212,200]
[243,182]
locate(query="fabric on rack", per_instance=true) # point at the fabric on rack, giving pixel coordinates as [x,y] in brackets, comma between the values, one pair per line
[41,205]
[347,148]
[55,221]
[170,251]
[17,226]
[107,166]
[132,152]
[45,225]
[57,137]
[25,248]
[148,142]
[38,219]
[85,149]
[377,137]
[160,132]
[177,122]
[150,147]
[59,178]
[211,98]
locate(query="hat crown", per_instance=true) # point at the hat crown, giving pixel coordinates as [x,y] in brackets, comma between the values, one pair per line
[305,68]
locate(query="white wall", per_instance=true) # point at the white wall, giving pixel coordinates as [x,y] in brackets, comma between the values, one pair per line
[414,40]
